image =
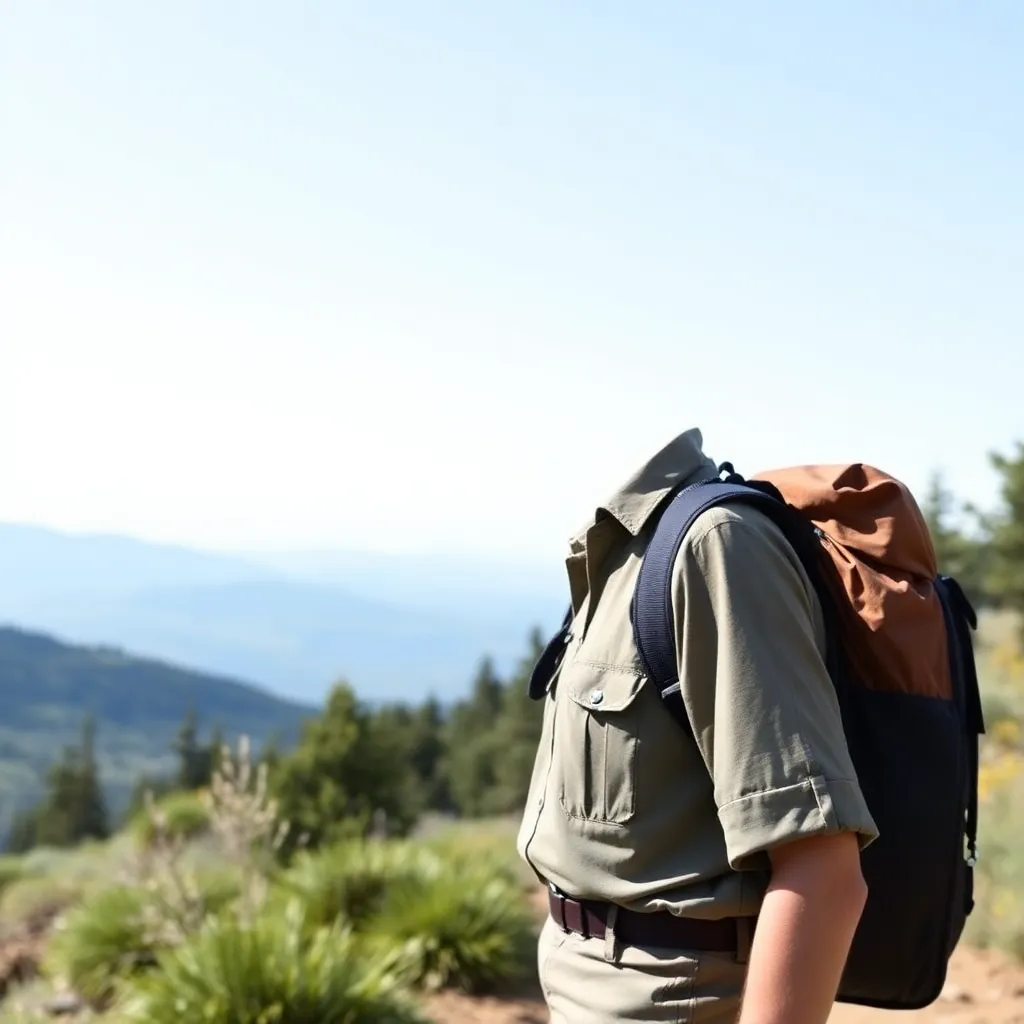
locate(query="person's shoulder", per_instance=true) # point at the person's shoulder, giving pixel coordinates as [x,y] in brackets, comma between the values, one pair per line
[742,542]
[741,551]
[735,523]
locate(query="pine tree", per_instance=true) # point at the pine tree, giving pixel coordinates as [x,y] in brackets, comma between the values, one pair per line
[73,808]
[190,755]
[345,769]
[196,761]
[427,754]
[23,833]
[959,555]
[518,731]
[91,816]
[470,740]
[1006,572]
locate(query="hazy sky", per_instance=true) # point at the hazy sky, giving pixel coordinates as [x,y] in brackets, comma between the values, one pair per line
[439,275]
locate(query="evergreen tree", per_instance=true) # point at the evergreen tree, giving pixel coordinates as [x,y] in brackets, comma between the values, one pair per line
[92,820]
[485,701]
[470,738]
[23,833]
[427,755]
[959,555]
[492,740]
[517,731]
[345,769]
[197,761]
[74,808]
[472,771]
[193,758]
[1006,571]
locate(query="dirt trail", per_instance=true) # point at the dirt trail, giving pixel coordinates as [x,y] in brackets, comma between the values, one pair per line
[983,988]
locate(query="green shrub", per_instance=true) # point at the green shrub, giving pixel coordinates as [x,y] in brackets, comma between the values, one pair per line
[439,915]
[351,881]
[181,815]
[103,939]
[464,930]
[117,932]
[273,971]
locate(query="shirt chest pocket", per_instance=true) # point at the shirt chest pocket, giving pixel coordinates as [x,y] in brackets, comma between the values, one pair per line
[597,731]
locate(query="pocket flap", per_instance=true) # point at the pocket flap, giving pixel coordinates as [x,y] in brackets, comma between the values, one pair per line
[603,688]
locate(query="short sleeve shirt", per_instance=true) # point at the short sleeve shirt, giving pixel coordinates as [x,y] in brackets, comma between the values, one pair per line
[624,804]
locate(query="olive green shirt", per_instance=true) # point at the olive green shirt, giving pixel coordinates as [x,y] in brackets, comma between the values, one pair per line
[626,806]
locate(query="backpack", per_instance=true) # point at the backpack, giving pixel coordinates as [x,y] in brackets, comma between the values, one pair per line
[901,659]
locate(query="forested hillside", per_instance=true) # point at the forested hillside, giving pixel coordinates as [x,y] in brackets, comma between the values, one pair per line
[49,690]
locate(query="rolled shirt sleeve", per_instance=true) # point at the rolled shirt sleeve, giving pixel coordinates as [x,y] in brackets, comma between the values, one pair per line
[749,638]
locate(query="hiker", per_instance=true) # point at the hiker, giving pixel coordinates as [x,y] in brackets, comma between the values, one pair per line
[709,874]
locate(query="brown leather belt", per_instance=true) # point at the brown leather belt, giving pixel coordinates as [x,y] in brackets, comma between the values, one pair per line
[590,919]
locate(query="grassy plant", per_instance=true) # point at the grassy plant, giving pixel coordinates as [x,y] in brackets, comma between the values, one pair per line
[245,819]
[174,901]
[348,931]
[268,971]
[438,915]
[178,815]
[163,901]
[104,939]
[351,881]
[116,932]
[240,815]
[464,930]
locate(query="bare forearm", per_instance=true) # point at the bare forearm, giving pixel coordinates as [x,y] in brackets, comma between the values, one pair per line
[803,937]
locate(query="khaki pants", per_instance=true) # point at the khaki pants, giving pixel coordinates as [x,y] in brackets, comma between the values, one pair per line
[594,981]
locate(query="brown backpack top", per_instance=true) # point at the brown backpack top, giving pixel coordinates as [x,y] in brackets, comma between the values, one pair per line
[883,573]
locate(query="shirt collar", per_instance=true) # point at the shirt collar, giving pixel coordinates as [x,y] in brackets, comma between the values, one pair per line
[681,462]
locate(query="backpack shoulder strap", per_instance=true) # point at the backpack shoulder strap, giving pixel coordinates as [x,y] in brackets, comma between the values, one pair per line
[651,610]
[550,660]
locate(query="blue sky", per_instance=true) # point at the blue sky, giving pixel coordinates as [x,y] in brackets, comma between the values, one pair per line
[439,275]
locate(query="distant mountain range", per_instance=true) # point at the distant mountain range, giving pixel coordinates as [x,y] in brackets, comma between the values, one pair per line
[394,626]
[48,688]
